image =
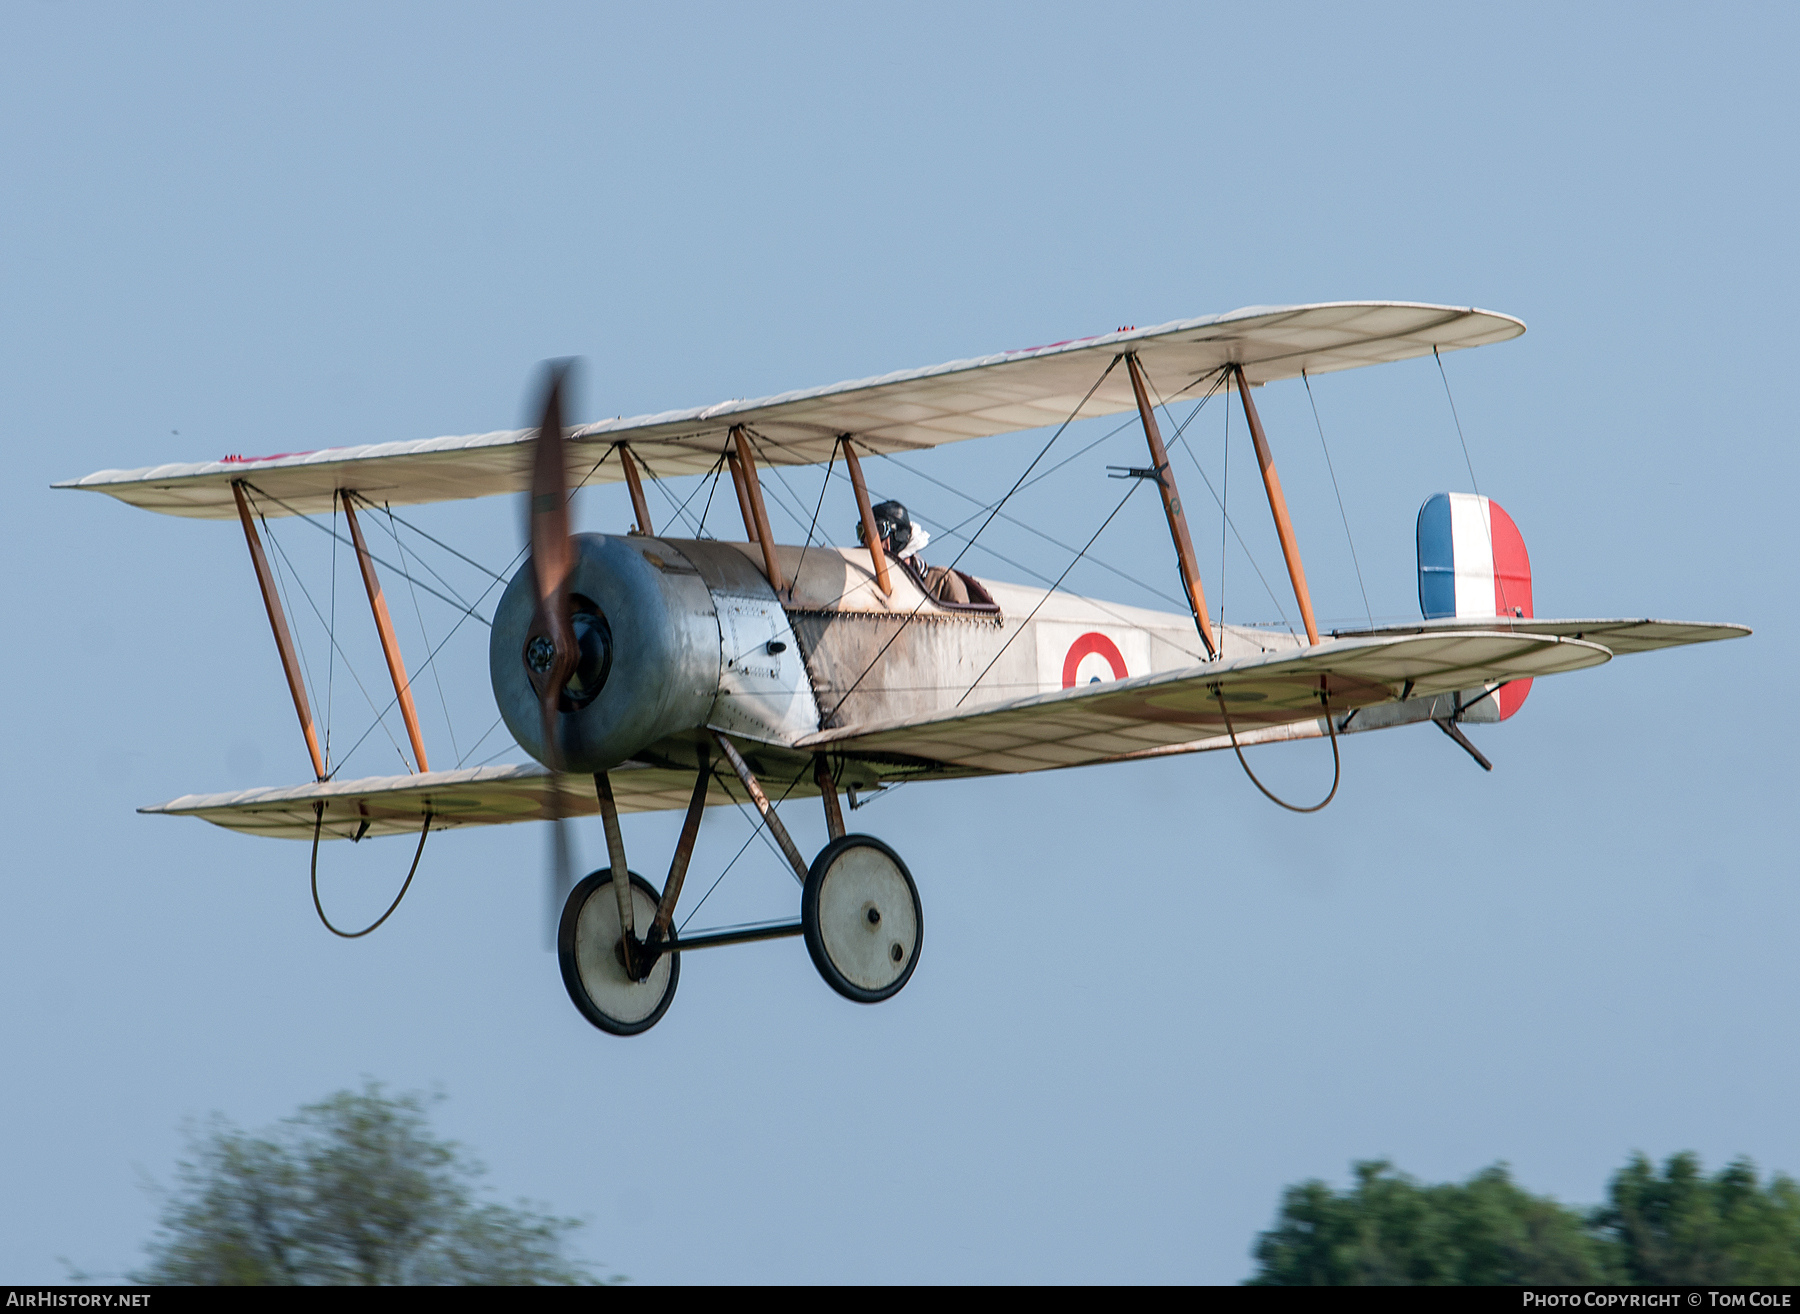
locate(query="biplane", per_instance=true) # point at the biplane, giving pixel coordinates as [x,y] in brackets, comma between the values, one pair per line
[641,671]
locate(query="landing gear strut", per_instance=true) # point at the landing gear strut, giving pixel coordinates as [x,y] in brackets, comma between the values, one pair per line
[859,912]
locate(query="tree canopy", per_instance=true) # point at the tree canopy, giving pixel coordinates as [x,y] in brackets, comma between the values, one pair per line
[351,1191]
[1679,1227]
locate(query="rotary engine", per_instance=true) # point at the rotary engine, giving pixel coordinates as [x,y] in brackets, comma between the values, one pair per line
[650,660]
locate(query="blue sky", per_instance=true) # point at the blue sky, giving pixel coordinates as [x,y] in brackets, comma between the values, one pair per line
[232,230]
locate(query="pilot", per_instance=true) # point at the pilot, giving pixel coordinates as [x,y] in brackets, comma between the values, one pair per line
[903,541]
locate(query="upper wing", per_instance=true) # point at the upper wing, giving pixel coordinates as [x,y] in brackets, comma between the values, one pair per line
[1622,636]
[895,412]
[1104,721]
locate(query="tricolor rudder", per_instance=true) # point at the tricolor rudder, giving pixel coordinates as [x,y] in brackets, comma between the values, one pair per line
[1472,562]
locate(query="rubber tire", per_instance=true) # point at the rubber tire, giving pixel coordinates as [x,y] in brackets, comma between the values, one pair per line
[810,901]
[600,883]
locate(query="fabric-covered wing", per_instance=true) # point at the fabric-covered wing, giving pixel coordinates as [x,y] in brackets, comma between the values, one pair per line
[1622,636]
[1105,721]
[891,413]
[396,805]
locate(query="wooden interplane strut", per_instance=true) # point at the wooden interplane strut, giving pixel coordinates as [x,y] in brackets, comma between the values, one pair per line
[747,459]
[384,626]
[877,553]
[1171,500]
[1284,527]
[284,641]
[639,507]
[743,496]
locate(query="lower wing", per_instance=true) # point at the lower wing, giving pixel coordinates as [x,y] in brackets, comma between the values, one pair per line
[1250,697]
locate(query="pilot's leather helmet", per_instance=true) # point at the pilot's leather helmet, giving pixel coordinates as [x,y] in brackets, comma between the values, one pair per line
[894,526]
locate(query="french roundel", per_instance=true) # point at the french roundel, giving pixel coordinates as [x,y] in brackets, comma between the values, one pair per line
[1092,659]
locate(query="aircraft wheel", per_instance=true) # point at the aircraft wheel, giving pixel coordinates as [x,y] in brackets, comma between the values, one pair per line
[586,943]
[861,916]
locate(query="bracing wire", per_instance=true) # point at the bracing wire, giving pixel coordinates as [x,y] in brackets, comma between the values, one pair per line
[1019,483]
[331,650]
[1030,529]
[1224,516]
[407,524]
[1336,761]
[318,825]
[824,486]
[432,657]
[479,742]
[711,488]
[458,603]
[349,666]
[436,675]
[758,827]
[1228,529]
[1458,419]
[681,509]
[955,531]
[276,561]
[1348,538]
[1021,628]
[1486,528]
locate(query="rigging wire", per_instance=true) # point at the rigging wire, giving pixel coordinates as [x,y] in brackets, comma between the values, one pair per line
[757,828]
[436,675]
[479,742]
[1454,416]
[467,612]
[1224,516]
[384,509]
[811,529]
[287,602]
[1486,528]
[901,628]
[1030,529]
[454,602]
[331,650]
[318,824]
[1052,589]
[402,520]
[1229,524]
[1367,609]
[717,470]
[681,509]
[432,657]
[504,748]
[349,666]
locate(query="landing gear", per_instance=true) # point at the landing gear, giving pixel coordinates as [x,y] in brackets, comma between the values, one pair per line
[587,943]
[859,912]
[861,917]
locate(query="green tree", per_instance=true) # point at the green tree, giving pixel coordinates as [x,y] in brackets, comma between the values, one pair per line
[1684,1228]
[1389,1229]
[353,1190]
[1677,1228]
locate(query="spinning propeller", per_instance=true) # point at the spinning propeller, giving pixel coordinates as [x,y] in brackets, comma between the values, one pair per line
[551,651]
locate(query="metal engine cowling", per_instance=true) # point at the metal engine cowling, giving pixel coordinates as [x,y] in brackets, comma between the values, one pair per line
[650,658]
